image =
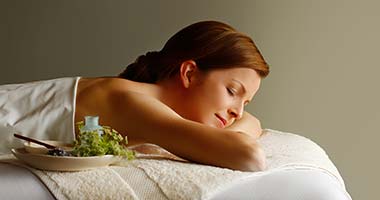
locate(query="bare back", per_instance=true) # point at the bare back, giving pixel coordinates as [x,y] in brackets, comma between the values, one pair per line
[134,110]
[100,97]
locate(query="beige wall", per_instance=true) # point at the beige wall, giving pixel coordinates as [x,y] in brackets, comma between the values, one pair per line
[325,80]
[323,56]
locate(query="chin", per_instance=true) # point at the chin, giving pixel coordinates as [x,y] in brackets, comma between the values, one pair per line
[206,123]
[211,125]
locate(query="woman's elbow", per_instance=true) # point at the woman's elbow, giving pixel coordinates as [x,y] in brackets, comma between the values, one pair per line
[253,159]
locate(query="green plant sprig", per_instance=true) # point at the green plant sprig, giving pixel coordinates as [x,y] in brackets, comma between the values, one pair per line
[110,142]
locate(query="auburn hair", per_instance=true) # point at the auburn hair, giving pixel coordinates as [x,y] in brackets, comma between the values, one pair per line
[211,44]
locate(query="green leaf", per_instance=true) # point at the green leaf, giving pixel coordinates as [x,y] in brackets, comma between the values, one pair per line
[91,143]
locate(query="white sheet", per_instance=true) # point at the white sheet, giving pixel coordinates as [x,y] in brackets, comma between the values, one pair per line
[19,183]
[295,184]
[41,109]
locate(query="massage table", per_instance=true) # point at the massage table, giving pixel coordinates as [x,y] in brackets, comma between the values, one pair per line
[298,169]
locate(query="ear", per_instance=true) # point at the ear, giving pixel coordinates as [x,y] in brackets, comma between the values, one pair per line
[187,72]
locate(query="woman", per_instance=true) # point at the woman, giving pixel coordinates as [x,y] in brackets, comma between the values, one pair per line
[188,98]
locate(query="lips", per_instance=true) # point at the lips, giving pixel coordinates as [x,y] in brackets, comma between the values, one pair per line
[224,122]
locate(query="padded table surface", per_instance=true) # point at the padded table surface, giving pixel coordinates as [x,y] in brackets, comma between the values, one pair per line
[19,183]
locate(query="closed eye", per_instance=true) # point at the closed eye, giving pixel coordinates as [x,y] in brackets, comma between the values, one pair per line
[231,91]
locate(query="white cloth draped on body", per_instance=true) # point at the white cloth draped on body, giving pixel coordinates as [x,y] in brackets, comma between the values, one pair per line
[40,109]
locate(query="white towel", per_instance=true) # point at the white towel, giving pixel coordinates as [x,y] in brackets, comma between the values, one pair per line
[178,180]
[113,182]
[285,151]
[291,150]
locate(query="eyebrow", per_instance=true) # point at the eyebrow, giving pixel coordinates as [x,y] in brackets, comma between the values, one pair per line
[243,88]
[241,84]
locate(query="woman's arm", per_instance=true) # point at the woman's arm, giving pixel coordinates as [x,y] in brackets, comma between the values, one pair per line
[247,124]
[149,119]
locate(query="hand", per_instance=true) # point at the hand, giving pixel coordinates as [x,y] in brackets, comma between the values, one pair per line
[248,124]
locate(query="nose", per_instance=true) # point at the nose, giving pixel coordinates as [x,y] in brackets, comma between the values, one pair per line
[236,111]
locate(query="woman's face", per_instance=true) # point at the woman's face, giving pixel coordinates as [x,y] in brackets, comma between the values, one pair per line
[217,97]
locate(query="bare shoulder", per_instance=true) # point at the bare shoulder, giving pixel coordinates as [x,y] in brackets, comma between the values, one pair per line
[136,103]
[125,105]
[89,84]
[130,95]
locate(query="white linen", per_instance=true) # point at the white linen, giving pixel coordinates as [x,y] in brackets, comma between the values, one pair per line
[19,183]
[294,184]
[41,109]
[284,151]
[114,182]
[166,179]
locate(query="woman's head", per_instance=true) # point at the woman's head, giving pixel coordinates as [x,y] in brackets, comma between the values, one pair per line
[209,72]
[210,44]
[216,98]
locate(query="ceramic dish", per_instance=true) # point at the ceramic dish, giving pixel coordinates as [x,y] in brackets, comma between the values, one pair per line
[63,163]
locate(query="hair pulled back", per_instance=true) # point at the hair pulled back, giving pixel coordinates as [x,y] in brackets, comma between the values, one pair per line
[210,44]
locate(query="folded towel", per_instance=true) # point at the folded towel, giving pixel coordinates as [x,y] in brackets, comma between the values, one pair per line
[291,150]
[168,179]
[113,182]
[285,151]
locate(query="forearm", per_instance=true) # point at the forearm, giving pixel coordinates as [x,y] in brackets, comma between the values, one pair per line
[187,139]
[212,146]
[248,124]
